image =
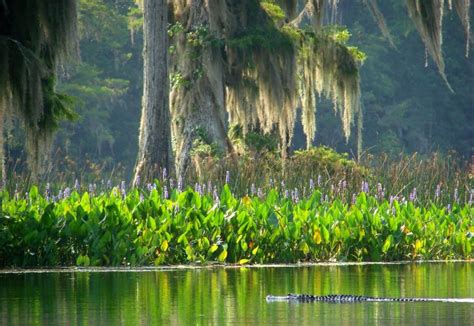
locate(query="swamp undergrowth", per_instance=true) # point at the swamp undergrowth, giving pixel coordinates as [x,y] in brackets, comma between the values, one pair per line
[161,223]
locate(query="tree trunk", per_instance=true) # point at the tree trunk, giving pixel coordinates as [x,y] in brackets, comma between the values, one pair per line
[3,174]
[197,104]
[154,147]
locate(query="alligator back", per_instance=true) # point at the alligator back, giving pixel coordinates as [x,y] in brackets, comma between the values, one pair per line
[348,298]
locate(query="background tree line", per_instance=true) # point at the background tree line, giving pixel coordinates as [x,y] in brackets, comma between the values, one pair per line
[407,106]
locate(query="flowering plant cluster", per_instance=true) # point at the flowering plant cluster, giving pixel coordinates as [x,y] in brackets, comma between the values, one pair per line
[165,223]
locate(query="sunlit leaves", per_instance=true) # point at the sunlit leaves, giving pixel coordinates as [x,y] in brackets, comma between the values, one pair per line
[109,229]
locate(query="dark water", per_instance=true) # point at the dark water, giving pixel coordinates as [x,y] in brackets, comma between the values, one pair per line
[220,296]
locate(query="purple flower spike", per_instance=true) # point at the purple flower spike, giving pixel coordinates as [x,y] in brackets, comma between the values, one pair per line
[215,195]
[438,191]
[165,192]
[180,183]
[252,189]
[227,177]
[77,186]
[149,186]
[123,189]
[311,184]
[165,174]
[365,187]
[412,196]
[319,180]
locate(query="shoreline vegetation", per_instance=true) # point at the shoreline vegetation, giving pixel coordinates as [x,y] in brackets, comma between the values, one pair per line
[322,207]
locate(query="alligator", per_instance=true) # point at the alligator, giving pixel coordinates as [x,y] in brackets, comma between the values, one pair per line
[348,298]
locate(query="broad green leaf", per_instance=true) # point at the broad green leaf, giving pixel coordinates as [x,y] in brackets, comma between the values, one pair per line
[222,256]
[317,236]
[387,244]
[213,248]
[164,245]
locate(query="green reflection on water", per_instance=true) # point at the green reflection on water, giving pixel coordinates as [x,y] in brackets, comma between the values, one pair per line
[237,296]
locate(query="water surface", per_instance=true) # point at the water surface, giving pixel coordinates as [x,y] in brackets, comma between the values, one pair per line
[220,296]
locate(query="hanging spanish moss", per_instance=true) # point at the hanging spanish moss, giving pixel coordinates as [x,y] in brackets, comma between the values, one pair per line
[263,84]
[35,36]
[463,10]
[380,20]
[428,17]
[329,68]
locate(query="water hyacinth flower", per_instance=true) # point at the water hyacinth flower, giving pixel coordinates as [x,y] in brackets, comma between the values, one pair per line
[319,180]
[456,195]
[67,192]
[91,189]
[271,183]
[215,195]
[77,186]
[354,197]
[392,198]
[109,184]
[141,198]
[259,193]
[198,189]
[149,187]
[311,185]
[165,174]
[227,177]
[60,194]
[165,192]
[123,189]
[412,196]
[286,193]
[438,191]
[295,196]
[47,191]
[252,189]
[365,187]
[180,183]
[380,191]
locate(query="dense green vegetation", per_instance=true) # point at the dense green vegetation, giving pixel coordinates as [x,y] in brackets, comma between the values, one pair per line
[314,205]
[159,224]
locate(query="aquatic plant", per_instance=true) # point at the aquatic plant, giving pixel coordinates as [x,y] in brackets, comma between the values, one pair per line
[163,225]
